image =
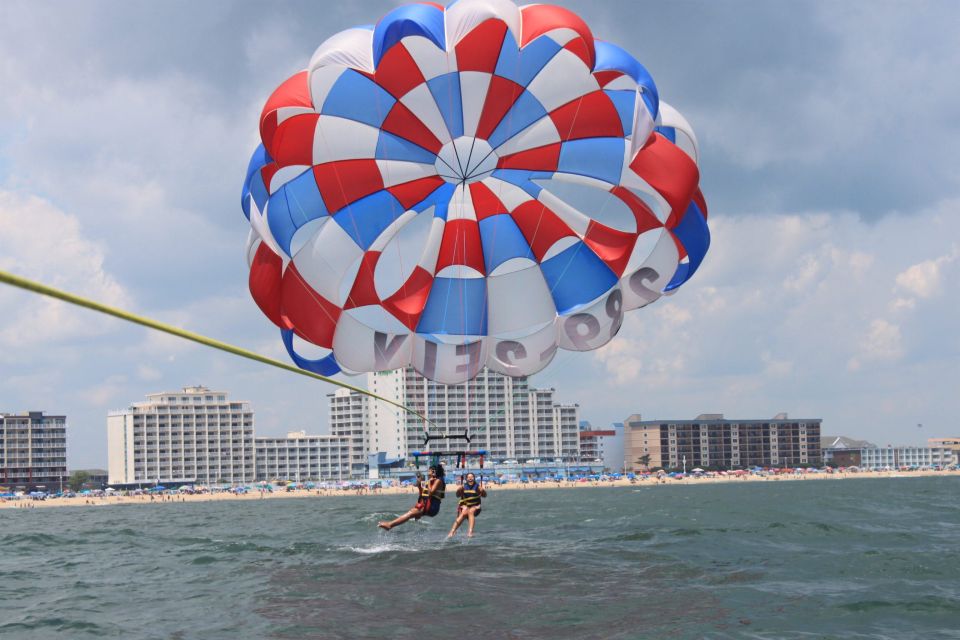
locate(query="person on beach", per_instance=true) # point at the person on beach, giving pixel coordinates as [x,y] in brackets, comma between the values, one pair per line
[430,495]
[470,493]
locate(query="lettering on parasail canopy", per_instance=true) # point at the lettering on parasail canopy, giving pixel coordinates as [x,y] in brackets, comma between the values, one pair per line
[638,282]
[585,327]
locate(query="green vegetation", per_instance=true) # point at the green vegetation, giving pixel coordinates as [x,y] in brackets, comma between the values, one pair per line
[76,480]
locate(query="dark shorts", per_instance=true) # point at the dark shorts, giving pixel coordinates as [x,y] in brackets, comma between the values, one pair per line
[429,506]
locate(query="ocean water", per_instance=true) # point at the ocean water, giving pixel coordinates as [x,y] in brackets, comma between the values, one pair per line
[864,558]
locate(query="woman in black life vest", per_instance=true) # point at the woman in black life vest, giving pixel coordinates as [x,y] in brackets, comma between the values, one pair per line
[429,496]
[470,493]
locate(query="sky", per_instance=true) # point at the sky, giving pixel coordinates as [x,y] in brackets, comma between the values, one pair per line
[828,135]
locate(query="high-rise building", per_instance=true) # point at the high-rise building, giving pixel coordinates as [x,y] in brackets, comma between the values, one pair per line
[301,457]
[350,416]
[948,443]
[194,435]
[33,450]
[503,416]
[605,445]
[711,440]
[592,441]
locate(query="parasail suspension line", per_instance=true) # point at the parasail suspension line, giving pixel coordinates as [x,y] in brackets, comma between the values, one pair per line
[42,289]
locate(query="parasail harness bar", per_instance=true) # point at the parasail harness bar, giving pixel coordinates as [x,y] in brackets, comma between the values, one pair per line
[446,436]
[461,457]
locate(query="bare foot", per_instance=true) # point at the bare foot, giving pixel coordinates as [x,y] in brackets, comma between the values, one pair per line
[470,534]
[384,525]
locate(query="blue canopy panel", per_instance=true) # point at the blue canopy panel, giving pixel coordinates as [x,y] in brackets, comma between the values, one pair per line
[694,235]
[600,158]
[253,184]
[440,198]
[502,240]
[326,366]
[408,20]
[356,97]
[670,133]
[524,112]
[610,57]
[365,219]
[391,147]
[456,306]
[576,276]
[522,66]
[524,179]
[446,93]
[623,101]
[293,205]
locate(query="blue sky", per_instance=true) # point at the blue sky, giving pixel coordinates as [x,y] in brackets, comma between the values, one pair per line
[828,133]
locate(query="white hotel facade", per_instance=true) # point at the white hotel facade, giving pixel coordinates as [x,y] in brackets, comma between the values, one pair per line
[301,457]
[880,458]
[504,416]
[194,435]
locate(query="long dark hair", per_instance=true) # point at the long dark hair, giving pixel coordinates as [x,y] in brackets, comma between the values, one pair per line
[438,469]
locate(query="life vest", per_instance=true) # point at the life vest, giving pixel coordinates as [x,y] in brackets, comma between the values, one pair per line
[437,495]
[470,495]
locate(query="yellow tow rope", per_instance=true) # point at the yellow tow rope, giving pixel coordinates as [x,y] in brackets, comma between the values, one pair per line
[42,289]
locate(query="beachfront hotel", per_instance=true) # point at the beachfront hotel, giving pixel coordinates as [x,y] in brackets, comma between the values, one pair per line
[33,451]
[710,440]
[953,444]
[350,415]
[605,445]
[190,436]
[841,451]
[301,457]
[504,416]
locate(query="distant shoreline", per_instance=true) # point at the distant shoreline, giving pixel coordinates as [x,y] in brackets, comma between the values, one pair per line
[88,501]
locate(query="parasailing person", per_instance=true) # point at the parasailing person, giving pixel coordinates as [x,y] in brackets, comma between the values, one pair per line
[430,495]
[470,493]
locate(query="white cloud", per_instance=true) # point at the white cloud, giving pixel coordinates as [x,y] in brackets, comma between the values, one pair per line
[808,269]
[881,342]
[791,313]
[775,367]
[106,392]
[148,373]
[40,242]
[924,279]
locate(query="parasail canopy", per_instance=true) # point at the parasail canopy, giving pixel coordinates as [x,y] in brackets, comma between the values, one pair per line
[477,185]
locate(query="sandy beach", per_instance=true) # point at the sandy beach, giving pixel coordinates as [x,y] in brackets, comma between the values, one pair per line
[280,493]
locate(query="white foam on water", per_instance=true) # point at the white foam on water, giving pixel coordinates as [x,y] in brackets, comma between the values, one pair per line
[382,547]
